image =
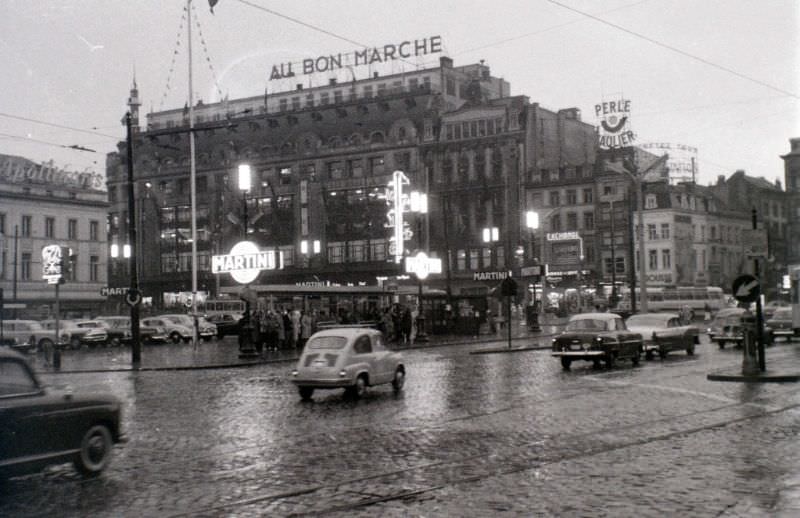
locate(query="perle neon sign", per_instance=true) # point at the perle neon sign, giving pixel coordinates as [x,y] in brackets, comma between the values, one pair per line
[245,262]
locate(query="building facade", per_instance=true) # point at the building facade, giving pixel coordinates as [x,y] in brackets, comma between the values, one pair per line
[791,165]
[43,205]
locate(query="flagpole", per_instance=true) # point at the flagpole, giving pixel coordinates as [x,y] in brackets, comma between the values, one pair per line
[192,177]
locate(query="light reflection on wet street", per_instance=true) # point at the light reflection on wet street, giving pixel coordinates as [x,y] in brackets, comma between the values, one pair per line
[469,435]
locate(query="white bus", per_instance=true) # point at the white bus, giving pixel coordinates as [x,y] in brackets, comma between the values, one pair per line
[214,306]
[674,298]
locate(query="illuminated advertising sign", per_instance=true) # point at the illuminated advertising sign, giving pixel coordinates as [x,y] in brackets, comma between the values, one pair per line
[20,170]
[51,263]
[421,265]
[614,131]
[245,262]
[368,56]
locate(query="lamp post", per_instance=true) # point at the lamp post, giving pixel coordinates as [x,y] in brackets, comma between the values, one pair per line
[134,297]
[246,347]
[418,202]
[532,223]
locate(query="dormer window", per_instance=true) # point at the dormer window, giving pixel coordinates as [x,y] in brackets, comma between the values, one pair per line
[651,202]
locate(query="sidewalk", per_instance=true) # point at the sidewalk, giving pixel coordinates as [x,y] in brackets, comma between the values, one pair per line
[225,353]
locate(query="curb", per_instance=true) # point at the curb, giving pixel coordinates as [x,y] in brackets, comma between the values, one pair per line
[754,378]
[266,361]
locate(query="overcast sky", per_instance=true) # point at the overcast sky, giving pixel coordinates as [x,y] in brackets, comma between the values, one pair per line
[70,63]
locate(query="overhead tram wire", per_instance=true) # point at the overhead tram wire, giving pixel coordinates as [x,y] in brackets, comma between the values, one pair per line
[60,126]
[47,143]
[679,51]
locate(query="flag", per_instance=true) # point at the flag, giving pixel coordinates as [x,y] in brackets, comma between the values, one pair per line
[211,4]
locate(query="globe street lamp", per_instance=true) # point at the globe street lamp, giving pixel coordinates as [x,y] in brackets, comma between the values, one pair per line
[532,223]
[246,347]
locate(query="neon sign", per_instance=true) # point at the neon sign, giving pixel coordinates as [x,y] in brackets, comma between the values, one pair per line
[245,262]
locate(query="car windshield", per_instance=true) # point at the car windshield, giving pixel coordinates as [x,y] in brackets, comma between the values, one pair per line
[176,319]
[785,313]
[588,324]
[648,321]
[327,342]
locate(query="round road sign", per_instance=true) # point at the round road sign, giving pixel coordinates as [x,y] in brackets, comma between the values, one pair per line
[746,288]
[133,297]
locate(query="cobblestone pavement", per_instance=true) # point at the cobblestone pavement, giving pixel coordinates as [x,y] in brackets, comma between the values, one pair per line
[471,435]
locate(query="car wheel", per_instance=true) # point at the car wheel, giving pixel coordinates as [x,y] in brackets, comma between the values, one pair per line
[187,339]
[648,355]
[75,343]
[306,393]
[45,344]
[399,380]
[690,350]
[662,353]
[610,360]
[95,452]
[635,358]
[115,342]
[721,344]
[360,388]
[207,338]
[566,362]
[175,337]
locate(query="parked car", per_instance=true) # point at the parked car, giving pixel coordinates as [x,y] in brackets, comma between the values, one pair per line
[662,333]
[174,331]
[733,331]
[97,332]
[227,323]
[351,358]
[205,329]
[40,428]
[597,337]
[771,307]
[123,325]
[715,327]
[29,335]
[70,334]
[781,324]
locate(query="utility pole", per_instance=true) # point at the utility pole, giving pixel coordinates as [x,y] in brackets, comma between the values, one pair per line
[759,313]
[133,297]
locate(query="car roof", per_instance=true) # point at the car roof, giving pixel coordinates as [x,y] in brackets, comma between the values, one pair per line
[663,315]
[595,316]
[347,332]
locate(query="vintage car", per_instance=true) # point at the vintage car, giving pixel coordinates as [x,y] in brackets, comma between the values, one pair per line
[97,332]
[205,329]
[69,333]
[597,337]
[175,331]
[227,323]
[771,307]
[663,332]
[715,327]
[352,358]
[39,428]
[780,325]
[120,329]
[733,331]
[29,335]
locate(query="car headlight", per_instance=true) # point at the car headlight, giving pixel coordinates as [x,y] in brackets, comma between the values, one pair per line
[294,373]
[342,373]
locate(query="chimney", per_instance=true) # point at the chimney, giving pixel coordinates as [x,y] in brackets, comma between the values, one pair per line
[721,179]
[332,81]
[445,62]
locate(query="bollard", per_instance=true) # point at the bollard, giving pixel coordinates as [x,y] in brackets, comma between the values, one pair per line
[749,360]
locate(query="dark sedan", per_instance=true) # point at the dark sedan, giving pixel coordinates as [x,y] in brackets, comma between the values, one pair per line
[227,323]
[781,325]
[39,428]
[597,337]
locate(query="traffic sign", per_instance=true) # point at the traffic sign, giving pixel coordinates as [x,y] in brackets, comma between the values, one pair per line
[746,288]
[133,298]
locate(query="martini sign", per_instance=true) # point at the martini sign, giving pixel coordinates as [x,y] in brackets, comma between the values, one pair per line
[245,262]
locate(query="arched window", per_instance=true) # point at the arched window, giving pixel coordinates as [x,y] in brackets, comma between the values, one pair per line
[401,133]
[376,137]
[334,142]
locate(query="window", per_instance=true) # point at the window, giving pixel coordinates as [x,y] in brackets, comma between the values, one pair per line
[651,232]
[665,231]
[27,221]
[555,198]
[337,96]
[94,230]
[72,229]
[376,165]
[555,223]
[357,168]
[336,170]
[16,380]
[94,268]
[309,100]
[283,105]
[650,202]
[3,223]
[572,197]
[450,86]
[324,98]
[588,220]
[572,221]
[555,175]
[368,91]
[295,103]
[608,190]
[362,345]
[666,259]
[652,259]
[587,196]
[25,273]
[49,226]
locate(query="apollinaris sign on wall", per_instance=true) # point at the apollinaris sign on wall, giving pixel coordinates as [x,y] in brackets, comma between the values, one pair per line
[368,56]
[614,131]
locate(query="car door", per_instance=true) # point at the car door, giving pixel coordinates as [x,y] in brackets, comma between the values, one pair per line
[363,354]
[628,340]
[21,432]
[384,368]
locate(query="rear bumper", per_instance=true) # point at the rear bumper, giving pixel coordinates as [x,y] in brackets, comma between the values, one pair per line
[578,354]
[323,383]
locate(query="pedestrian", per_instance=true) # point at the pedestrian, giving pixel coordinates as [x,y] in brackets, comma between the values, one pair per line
[280,330]
[287,330]
[406,324]
[294,316]
[477,321]
[492,322]
[706,313]
[305,328]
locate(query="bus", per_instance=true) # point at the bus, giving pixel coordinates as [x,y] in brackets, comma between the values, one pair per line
[673,298]
[214,306]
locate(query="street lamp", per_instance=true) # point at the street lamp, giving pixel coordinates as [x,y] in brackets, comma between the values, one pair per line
[532,223]
[418,203]
[246,347]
